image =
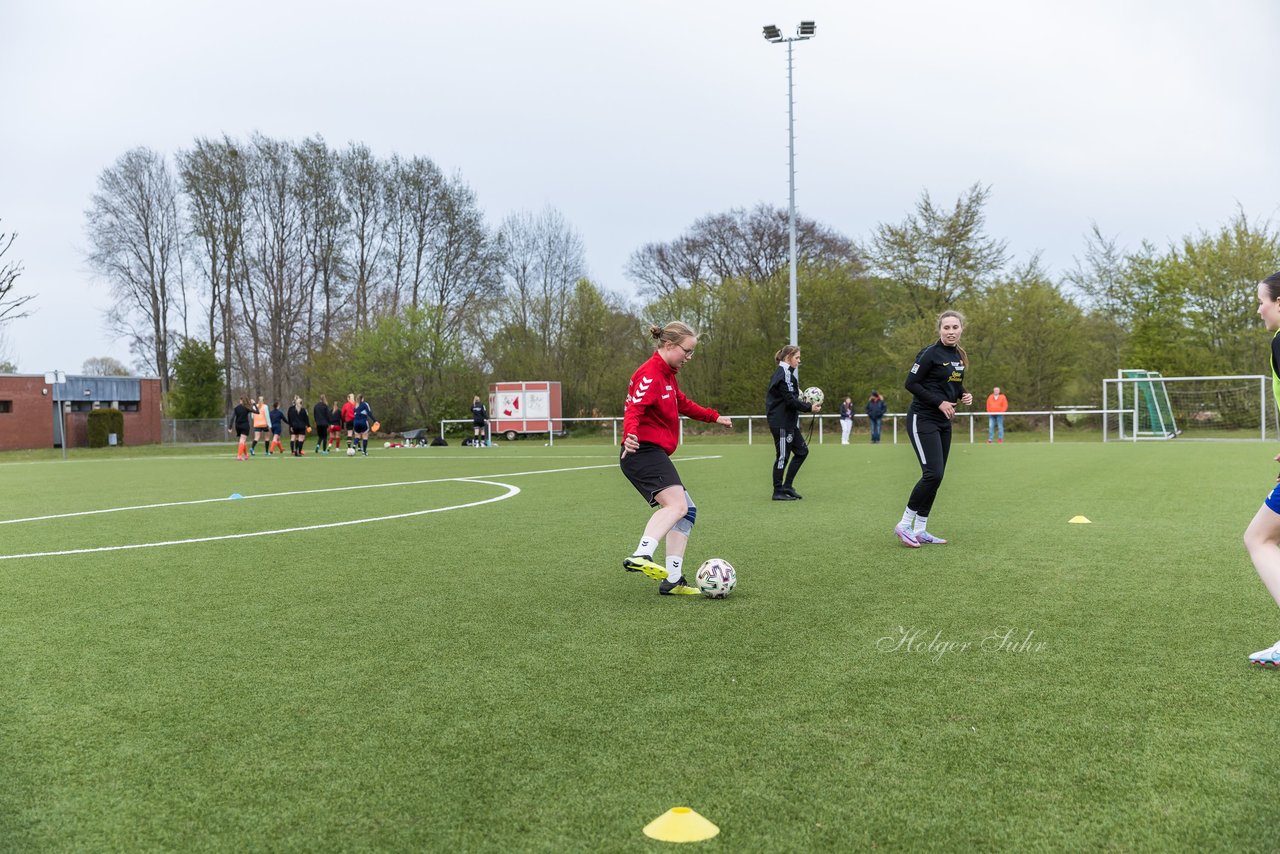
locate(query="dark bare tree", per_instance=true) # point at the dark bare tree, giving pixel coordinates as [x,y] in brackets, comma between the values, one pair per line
[274,302]
[136,246]
[463,271]
[745,245]
[214,181]
[364,196]
[543,260]
[414,209]
[103,366]
[11,304]
[324,235]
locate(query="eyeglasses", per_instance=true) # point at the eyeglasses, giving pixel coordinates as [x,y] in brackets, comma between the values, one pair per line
[688,351]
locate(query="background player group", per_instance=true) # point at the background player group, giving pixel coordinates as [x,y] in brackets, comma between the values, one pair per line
[355,416]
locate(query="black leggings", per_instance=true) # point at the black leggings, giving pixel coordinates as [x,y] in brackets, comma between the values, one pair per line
[931,441]
[787,443]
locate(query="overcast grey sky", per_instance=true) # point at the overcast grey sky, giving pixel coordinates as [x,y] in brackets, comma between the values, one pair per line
[1155,118]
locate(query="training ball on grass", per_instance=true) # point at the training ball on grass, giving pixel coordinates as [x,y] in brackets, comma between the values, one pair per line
[716,578]
[351,452]
[813,395]
[386,444]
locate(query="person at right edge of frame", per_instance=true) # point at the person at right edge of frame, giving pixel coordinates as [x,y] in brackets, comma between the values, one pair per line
[936,383]
[782,408]
[1262,537]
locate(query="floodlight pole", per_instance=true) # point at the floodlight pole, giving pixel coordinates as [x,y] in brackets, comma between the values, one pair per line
[791,175]
[773,35]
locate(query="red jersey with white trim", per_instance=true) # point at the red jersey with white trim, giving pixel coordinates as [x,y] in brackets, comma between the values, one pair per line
[655,404]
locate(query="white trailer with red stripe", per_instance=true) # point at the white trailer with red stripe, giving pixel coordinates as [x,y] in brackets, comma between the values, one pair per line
[519,408]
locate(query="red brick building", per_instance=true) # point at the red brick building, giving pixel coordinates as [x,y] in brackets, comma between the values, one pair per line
[29,409]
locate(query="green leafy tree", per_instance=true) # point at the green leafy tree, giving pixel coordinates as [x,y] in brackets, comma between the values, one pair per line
[410,376]
[601,351]
[1218,273]
[1023,335]
[197,382]
[1156,303]
[937,258]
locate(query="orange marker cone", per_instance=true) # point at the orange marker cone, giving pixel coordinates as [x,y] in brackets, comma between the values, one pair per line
[680,824]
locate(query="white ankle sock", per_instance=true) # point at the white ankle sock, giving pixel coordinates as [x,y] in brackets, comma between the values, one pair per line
[673,568]
[908,519]
[921,521]
[647,546]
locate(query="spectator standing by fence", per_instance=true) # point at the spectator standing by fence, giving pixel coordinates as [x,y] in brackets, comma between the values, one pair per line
[997,406]
[875,413]
[846,419]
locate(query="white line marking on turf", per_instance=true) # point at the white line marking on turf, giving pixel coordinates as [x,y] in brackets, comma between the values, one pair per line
[511,492]
[311,492]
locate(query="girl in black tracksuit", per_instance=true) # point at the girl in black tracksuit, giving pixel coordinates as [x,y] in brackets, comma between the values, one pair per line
[783,407]
[239,421]
[299,424]
[936,383]
[322,425]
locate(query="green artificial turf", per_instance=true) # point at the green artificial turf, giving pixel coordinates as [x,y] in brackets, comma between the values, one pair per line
[489,678]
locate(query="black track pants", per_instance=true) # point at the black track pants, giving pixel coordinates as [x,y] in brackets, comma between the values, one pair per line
[931,440]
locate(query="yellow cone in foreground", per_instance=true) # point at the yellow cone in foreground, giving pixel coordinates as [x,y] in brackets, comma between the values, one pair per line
[680,824]
[1078,520]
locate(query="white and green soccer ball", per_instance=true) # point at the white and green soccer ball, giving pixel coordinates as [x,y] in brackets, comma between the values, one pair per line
[813,395]
[351,452]
[716,578]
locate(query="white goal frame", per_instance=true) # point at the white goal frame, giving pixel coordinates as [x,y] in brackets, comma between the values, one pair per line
[1127,407]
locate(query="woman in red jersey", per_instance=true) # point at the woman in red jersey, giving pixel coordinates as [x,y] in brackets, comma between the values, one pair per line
[651,432]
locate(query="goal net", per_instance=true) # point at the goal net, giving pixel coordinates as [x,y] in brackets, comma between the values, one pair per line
[1145,405]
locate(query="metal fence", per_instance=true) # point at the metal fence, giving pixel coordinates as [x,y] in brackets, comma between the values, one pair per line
[1069,423]
[193,431]
[820,429]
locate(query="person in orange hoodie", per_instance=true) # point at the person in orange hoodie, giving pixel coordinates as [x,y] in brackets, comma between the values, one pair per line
[997,406]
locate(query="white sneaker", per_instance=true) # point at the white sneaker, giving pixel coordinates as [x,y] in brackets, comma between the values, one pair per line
[906,536]
[926,539]
[1269,657]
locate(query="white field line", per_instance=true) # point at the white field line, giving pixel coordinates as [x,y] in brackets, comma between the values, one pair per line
[511,492]
[303,492]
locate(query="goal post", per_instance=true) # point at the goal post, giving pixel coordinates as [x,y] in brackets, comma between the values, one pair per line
[1142,404]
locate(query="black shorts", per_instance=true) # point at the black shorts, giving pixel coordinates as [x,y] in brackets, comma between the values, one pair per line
[650,471]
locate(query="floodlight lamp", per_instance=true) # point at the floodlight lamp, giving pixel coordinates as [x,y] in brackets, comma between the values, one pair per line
[772,33]
[808,29]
